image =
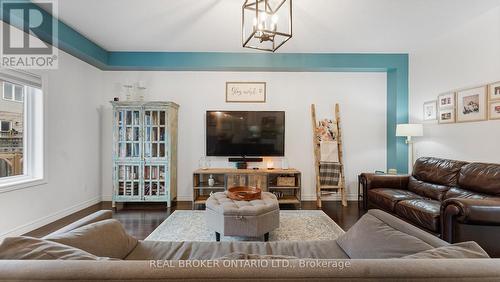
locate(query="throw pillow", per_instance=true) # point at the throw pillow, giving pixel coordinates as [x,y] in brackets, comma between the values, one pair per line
[106,238]
[371,238]
[29,248]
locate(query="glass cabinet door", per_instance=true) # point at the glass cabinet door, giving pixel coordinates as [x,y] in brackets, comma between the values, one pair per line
[155,181]
[129,133]
[155,139]
[128,181]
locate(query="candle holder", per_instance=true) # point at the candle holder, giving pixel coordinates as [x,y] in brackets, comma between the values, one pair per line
[270,165]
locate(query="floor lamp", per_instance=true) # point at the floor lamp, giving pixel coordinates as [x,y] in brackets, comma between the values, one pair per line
[409,131]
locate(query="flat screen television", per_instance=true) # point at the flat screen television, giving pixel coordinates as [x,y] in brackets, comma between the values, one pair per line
[245,133]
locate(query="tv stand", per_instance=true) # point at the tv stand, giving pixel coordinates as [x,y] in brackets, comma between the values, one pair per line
[274,181]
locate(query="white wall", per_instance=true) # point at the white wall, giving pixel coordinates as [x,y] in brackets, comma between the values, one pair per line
[79,119]
[363,108]
[73,151]
[468,56]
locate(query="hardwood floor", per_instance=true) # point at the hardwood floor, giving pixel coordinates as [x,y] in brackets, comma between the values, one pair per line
[141,219]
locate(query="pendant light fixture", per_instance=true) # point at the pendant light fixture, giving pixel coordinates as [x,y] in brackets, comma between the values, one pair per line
[266,24]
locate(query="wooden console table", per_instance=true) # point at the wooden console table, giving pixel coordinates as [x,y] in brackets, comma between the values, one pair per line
[265,179]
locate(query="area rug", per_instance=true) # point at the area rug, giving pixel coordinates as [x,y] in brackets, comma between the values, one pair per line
[295,225]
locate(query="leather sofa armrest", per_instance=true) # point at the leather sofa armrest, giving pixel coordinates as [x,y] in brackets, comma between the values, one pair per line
[472,211]
[374,180]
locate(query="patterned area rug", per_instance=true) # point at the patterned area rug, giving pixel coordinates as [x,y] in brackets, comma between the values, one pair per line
[295,225]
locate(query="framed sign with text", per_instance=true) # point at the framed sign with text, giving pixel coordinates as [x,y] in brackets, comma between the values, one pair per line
[245,92]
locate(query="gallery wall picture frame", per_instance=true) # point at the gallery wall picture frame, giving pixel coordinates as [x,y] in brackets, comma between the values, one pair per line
[447,100]
[472,104]
[245,92]
[447,116]
[494,110]
[494,91]
[430,110]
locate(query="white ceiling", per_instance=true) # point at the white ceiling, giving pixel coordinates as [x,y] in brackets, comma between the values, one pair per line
[319,25]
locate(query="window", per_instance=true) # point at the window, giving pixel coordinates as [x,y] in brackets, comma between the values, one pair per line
[21,130]
[13,92]
[7,91]
[5,126]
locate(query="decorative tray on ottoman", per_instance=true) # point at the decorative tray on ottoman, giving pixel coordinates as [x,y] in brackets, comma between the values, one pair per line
[244,193]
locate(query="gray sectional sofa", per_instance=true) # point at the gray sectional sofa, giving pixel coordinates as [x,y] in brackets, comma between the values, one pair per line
[378,247]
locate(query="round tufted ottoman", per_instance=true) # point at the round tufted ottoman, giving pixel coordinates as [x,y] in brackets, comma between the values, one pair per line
[242,218]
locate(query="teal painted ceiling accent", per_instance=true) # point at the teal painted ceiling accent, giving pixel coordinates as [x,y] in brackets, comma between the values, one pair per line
[213,61]
[395,65]
[67,39]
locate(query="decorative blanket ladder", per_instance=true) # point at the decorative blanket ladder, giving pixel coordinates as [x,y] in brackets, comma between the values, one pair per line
[330,177]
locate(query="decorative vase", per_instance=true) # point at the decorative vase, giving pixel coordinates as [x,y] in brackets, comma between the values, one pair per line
[284,163]
[211,181]
[204,163]
[128,91]
[140,91]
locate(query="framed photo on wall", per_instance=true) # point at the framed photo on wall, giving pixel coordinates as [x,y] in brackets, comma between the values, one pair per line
[494,91]
[446,116]
[245,92]
[446,100]
[494,112]
[472,104]
[430,110]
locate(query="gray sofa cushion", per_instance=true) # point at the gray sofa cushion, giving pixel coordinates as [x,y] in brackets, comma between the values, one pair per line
[95,217]
[106,238]
[244,256]
[422,270]
[407,228]
[459,250]
[372,238]
[156,250]
[29,248]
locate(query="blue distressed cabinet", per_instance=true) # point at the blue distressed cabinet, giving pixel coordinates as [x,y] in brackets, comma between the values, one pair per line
[144,152]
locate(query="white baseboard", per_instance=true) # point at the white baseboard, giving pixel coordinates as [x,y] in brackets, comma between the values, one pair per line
[184,198]
[107,198]
[49,218]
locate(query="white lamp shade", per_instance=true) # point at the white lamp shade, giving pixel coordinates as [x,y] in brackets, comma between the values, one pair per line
[409,130]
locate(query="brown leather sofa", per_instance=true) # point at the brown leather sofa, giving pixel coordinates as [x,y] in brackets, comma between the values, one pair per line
[455,200]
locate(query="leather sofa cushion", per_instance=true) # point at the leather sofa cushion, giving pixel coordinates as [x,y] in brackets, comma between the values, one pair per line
[462,250]
[437,171]
[480,177]
[456,192]
[372,238]
[422,212]
[29,248]
[386,198]
[428,190]
[106,238]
